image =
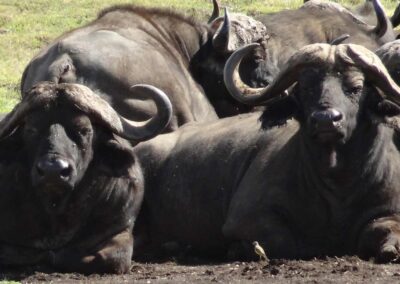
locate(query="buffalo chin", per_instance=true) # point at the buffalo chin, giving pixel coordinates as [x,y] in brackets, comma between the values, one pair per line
[329,142]
[329,137]
[54,197]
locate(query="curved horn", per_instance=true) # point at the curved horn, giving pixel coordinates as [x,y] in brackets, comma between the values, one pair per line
[156,124]
[83,98]
[383,24]
[221,38]
[215,13]
[375,71]
[94,105]
[395,19]
[339,39]
[236,87]
[308,55]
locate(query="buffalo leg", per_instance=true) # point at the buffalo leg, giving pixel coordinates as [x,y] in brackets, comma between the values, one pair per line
[112,256]
[381,239]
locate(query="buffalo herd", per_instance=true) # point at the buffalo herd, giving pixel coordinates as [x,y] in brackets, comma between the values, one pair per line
[146,130]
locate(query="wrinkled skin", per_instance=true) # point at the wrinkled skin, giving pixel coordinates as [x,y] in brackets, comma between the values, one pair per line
[301,190]
[75,218]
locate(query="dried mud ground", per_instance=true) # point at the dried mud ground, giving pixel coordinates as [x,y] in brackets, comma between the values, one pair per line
[326,270]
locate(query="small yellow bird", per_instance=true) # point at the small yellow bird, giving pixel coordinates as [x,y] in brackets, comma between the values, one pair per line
[260,251]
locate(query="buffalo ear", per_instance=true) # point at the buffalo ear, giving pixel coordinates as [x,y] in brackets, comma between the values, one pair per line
[279,112]
[116,157]
[387,108]
[383,107]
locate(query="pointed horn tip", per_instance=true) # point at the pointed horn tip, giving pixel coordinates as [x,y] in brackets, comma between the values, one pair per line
[215,13]
[380,14]
[226,11]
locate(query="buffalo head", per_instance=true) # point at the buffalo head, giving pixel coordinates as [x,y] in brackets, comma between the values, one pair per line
[225,35]
[262,64]
[334,90]
[62,126]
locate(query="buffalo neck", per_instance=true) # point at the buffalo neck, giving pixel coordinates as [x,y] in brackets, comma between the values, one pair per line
[367,160]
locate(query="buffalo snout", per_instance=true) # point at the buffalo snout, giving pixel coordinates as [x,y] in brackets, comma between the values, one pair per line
[54,170]
[327,124]
[326,118]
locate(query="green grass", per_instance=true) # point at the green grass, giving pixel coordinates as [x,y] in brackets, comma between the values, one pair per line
[27,25]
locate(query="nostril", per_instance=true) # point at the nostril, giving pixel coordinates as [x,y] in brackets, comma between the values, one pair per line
[317,116]
[326,116]
[53,168]
[66,172]
[336,115]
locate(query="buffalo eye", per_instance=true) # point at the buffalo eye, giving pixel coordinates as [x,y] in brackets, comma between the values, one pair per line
[84,131]
[258,56]
[355,89]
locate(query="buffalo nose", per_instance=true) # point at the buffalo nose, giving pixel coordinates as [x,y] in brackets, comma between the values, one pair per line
[327,117]
[54,168]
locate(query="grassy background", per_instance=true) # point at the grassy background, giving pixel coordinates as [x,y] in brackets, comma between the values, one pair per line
[27,25]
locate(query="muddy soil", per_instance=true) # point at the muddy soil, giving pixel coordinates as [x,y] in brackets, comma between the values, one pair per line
[327,270]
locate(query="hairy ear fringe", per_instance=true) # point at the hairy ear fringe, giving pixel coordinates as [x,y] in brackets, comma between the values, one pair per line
[278,113]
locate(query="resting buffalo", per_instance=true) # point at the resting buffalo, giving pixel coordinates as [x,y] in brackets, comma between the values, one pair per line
[325,182]
[389,53]
[320,21]
[127,45]
[315,22]
[69,186]
[366,12]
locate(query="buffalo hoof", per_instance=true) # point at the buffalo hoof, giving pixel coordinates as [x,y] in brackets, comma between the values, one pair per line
[381,240]
[390,250]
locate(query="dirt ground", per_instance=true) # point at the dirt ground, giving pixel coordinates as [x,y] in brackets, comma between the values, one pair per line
[327,270]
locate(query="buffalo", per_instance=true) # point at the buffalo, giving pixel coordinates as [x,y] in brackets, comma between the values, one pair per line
[316,174]
[127,45]
[314,22]
[70,189]
[389,53]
